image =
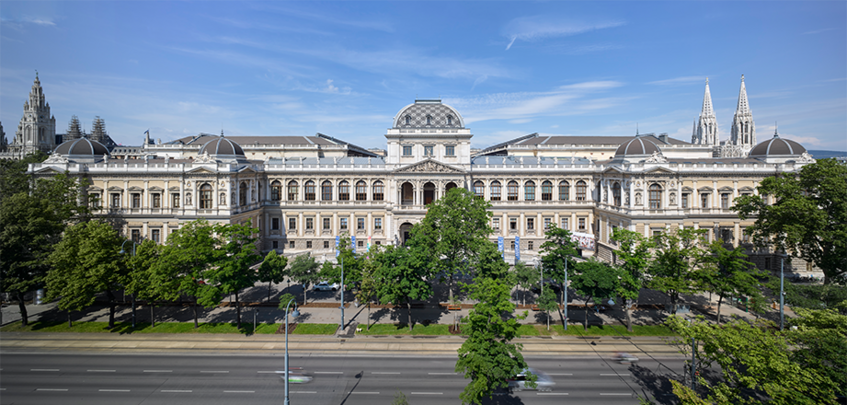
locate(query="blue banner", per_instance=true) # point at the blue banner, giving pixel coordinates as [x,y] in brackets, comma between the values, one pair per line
[353,243]
[337,241]
[500,247]
[517,249]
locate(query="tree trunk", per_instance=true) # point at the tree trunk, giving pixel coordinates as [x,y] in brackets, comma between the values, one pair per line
[409,308]
[152,316]
[111,297]
[304,294]
[22,307]
[369,316]
[450,290]
[269,291]
[720,298]
[70,323]
[196,323]
[628,316]
[237,311]
[548,320]
[586,313]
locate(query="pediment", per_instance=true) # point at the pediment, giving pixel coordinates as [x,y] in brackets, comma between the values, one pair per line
[660,170]
[246,170]
[200,170]
[613,170]
[48,170]
[429,166]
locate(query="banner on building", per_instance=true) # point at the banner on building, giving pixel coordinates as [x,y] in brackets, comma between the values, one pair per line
[353,243]
[369,244]
[517,249]
[337,242]
[585,240]
[500,247]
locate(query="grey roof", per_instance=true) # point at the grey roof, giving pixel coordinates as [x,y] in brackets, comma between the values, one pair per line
[777,146]
[640,145]
[346,161]
[527,160]
[592,140]
[82,147]
[222,146]
[260,140]
[416,114]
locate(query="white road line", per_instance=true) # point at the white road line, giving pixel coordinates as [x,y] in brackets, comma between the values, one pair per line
[44,369]
[329,372]
[383,372]
[443,373]
[101,371]
[365,393]
[51,389]
[615,375]
[176,391]
[221,372]
[270,372]
[427,393]
[2,389]
[304,392]
[239,392]
[551,393]
[618,393]
[559,374]
[158,371]
[114,390]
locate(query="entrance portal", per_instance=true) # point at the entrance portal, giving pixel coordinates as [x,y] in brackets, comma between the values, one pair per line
[405,231]
[429,193]
[407,194]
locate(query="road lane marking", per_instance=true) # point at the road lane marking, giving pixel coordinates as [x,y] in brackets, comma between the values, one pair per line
[613,393]
[329,372]
[304,392]
[443,373]
[270,372]
[51,389]
[44,369]
[551,393]
[427,393]
[176,391]
[365,393]
[101,371]
[383,372]
[204,371]
[240,392]
[559,374]
[158,371]
[615,375]
[114,390]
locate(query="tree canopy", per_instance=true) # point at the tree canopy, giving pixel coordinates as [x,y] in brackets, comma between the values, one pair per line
[678,256]
[808,217]
[633,259]
[272,270]
[596,281]
[304,270]
[558,252]
[401,276]
[728,273]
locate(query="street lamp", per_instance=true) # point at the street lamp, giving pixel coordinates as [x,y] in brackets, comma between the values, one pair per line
[295,314]
[781,292]
[342,294]
[133,294]
[565,293]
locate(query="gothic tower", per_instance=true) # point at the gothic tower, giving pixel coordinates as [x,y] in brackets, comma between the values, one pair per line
[37,129]
[743,128]
[706,131]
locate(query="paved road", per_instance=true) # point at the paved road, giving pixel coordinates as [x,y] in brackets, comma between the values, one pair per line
[349,380]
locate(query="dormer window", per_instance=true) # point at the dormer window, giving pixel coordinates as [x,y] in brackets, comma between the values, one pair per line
[408,120]
[449,120]
[428,120]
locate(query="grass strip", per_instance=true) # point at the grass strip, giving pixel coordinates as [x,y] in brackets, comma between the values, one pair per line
[613,330]
[315,329]
[403,329]
[141,327]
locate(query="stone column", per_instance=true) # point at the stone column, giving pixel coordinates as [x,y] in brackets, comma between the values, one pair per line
[125,195]
[522,225]
[539,225]
[145,195]
[300,224]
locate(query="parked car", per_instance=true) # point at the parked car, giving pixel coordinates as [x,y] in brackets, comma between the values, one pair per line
[543,381]
[325,286]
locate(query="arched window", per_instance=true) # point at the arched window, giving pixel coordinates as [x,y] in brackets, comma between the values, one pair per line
[276,191]
[564,191]
[310,190]
[616,194]
[361,191]
[206,196]
[379,191]
[546,191]
[292,190]
[529,191]
[513,190]
[479,189]
[495,191]
[449,120]
[655,197]
[408,120]
[580,190]
[344,190]
[242,194]
[326,191]
[428,120]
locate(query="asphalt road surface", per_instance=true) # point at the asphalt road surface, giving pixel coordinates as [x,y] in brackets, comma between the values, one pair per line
[93,379]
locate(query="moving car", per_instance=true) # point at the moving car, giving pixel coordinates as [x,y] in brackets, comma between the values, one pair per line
[543,381]
[324,286]
[623,357]
[297,376]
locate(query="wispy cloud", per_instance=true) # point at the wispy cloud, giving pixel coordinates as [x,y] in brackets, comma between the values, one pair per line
[255,25]
[326,18]
[542,27]
[20,23]
[679,80]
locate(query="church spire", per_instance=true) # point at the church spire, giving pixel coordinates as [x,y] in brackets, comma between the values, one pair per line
[707,126]
[743,127]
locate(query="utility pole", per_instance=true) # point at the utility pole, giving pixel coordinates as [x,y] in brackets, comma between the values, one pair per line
[781,292]
[565,294]
[342,294]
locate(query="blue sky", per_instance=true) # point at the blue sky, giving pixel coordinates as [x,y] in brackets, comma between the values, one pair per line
[346,68]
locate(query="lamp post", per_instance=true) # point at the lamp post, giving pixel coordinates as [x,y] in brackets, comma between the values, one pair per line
[295,314]
[781,292]
[342,294]
[565,293]
[133,294]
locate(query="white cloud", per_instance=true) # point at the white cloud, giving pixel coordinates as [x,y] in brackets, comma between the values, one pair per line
[679,80]
[542,27]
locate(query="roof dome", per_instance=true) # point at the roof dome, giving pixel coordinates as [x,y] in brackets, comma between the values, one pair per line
[777,146]
[222,147]
[82,147]
[428,114]
[638,146]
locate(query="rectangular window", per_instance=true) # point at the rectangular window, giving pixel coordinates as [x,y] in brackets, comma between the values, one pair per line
[155,235]
[513,191]
[360,224]
[529,192]
[378,191]
[530,223]
[529,245]
[378,224]
[157,200]
[513,224]
[428,151]
[343,222]
[378,243]
[94,201]
[704,200]
[496,224]
[310,224]
[547,222]
[767,263]
[292,191]
[450,150]
[582,224]
[291,244]
[657,232]
[310,191]
[275,244]
[136,236]
[326,224]
[292,224]
[360,243]
[512,245]
[684,200]
[308,244]
[565,224]
[326,244]
[495,191]
[136,200]
[275,224]
[344,191]
[725,200]
[175,200]
[745,237]
[116,200]
[407,150]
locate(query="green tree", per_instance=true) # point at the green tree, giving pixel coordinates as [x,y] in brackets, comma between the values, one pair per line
[403,277]
[729,273]
[400,399]
[525,277]
[231,272]
[304,271]
[140,281]
[272,270]
[558,252]
[13,177]
[352,265]
[808,218]
[677,259]
[595,280]
[488,357]
[547,302]
[85,263]
[820,341]
[452,232]
[633,260]
[369,285]
[754,361]
[817,296]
